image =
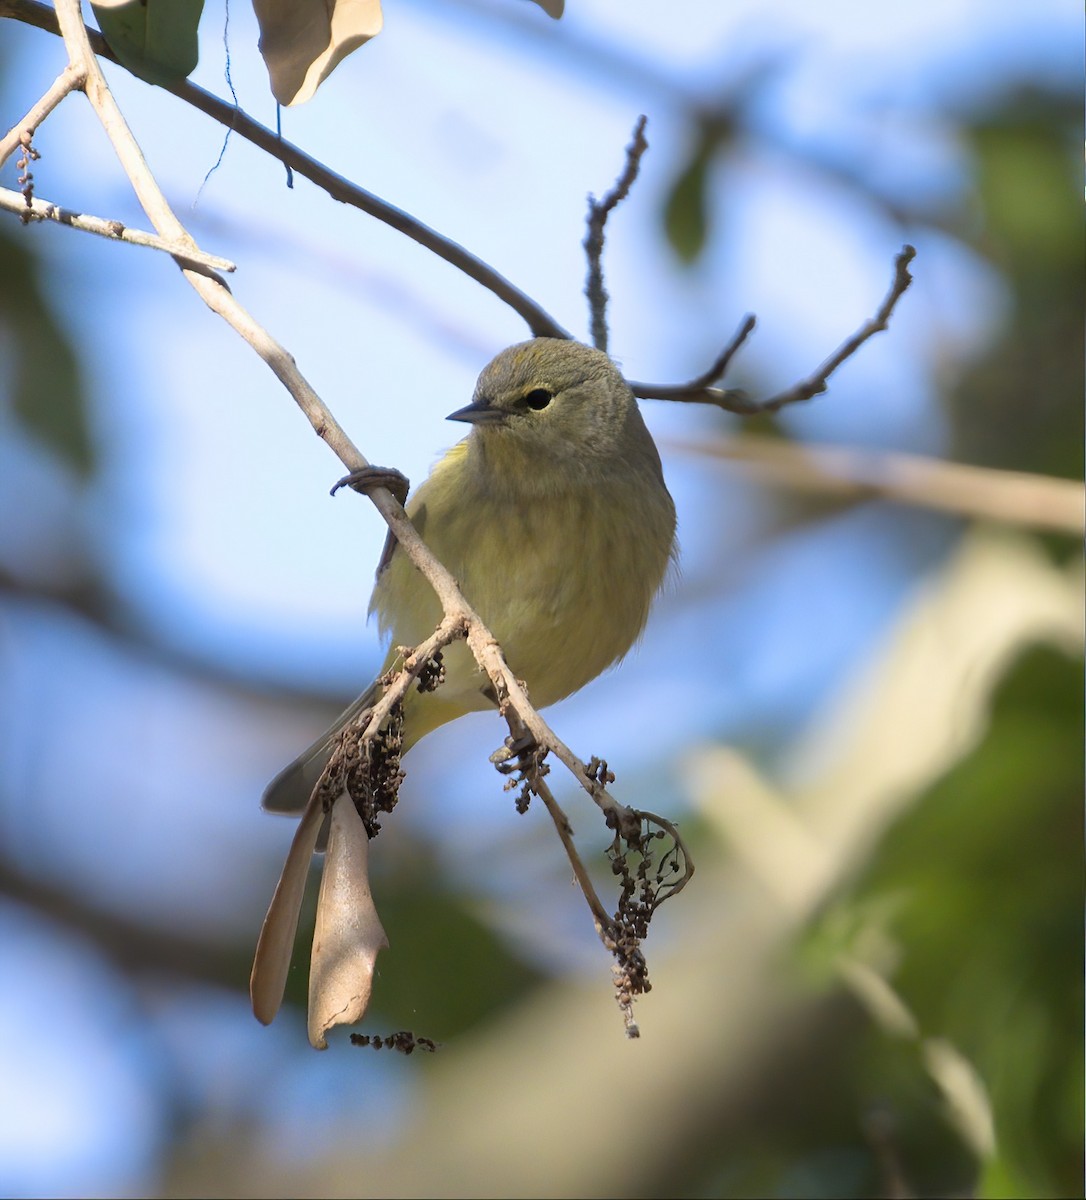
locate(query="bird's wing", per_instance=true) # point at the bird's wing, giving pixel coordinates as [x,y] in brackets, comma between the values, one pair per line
[290,790]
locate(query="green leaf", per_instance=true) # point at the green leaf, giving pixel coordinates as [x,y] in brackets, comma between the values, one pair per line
[687,214]
[154,39]
[685,217]
[46,386]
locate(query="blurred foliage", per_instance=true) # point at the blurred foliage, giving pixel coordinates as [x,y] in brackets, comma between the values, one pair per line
[452,971]
[1021,406]
[714,135]
[971,908]
[48,394]
[991,863]
[980,886]
[686,212]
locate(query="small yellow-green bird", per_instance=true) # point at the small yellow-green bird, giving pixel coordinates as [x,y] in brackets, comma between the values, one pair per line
[553,516]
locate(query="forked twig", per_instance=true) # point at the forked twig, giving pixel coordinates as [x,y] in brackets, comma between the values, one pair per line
[20,134]
[700,391]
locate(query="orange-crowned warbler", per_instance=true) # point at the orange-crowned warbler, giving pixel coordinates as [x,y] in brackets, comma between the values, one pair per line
[553,516]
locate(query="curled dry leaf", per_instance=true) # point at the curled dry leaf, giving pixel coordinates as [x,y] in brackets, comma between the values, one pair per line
[276,942]
[303,41]
[348,932]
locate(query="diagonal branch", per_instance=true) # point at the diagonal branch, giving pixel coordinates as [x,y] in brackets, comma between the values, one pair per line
[815,384]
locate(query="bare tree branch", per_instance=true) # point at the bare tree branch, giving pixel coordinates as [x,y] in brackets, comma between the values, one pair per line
[598,212]
[22,132]
[816,384]
[540,322]
[698,391]
[120,936]
[116,231]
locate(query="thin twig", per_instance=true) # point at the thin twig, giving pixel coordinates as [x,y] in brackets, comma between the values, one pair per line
[598,212]
[702,384]
[153,202]
[673,889]
[815,384]
[1014,497]
[539,321]
[604,923]
[43,210]
[20,134]
[735,401]
[510,691]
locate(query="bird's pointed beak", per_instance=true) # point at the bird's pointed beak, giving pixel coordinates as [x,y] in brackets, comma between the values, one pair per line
[479,412]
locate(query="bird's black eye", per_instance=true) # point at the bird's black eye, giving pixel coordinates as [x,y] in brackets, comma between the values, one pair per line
[538,399]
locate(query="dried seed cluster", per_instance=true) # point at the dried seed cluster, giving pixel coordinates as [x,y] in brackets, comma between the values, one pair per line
[644,887]
[404,1041]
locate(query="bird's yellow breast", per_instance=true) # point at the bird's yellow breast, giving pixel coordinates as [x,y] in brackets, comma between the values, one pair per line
[562,571]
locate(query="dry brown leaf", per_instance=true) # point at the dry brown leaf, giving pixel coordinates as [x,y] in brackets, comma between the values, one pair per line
[348,931]
[276,942]
[303,41]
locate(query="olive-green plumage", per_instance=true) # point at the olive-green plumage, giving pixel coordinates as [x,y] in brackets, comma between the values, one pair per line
[553,516]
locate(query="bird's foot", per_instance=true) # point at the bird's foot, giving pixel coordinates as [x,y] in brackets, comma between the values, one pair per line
[515,754]
[369,478]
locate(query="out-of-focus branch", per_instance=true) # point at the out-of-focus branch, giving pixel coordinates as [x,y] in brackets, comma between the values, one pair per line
[1012,497]
[124,940]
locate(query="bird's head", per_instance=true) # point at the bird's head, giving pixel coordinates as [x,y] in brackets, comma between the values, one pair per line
[554,400]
